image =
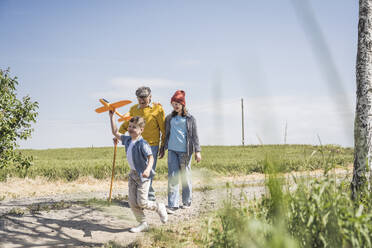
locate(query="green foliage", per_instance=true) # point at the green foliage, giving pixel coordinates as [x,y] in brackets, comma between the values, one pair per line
[319,213]
[16,117]
[312,213]
[253,233]
[185,234]
[231,229]
[241,226]
[322,214]
[165,236]
[276,202]
[234,226]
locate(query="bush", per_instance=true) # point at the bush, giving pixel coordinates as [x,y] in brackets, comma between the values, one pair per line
[16,117]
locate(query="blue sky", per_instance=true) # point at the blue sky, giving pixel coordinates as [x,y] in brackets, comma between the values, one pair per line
[68,54]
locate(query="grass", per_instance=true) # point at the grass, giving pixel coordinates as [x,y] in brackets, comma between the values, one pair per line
[70,164]
[115,201]
[36,208]
[186,234]
[317,213]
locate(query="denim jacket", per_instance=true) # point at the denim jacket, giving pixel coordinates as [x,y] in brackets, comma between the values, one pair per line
[139,155]
[192,139]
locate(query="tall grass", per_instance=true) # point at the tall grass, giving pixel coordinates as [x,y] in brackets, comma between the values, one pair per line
[317,213]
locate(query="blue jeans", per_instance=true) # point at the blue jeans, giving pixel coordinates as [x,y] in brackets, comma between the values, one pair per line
[179,165]
[154,150]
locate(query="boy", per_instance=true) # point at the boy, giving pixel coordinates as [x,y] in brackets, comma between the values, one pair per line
[140,160]
[154,118]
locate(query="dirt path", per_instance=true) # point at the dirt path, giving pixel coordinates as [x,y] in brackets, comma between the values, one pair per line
[82,219]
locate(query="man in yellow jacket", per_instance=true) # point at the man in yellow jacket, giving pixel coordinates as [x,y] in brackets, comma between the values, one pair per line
[154,125]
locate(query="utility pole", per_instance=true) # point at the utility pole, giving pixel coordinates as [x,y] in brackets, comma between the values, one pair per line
[242,123]
[285,133]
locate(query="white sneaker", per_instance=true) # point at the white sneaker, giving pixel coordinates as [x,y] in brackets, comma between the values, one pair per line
[171,210]
[162,211]
[140,228]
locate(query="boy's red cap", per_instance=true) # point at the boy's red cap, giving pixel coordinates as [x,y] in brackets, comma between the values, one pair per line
[179,96]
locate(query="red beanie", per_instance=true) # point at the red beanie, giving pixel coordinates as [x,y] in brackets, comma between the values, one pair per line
[179,96]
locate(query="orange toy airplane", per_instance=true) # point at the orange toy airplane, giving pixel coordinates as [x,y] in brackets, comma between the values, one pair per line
[113,106]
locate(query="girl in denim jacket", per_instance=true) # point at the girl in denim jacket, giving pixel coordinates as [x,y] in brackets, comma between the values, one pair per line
[181,140]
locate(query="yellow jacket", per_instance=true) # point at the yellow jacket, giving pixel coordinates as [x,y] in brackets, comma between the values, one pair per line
[155,122]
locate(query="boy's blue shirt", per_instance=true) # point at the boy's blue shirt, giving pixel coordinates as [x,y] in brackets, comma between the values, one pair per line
[140,151]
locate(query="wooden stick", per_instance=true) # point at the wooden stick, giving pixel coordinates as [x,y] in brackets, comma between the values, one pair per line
[113,172]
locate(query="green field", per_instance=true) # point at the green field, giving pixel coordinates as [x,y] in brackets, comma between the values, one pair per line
[70,164]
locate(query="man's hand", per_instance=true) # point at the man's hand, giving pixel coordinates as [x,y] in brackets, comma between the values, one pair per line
[146,173]
[197,157]
[115,141]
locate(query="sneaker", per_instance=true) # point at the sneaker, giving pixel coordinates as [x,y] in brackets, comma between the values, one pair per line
[162,211]
[171,210]
[186,206]
[151,198]
[140,228]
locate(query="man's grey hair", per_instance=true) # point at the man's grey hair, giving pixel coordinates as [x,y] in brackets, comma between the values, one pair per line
[143,91]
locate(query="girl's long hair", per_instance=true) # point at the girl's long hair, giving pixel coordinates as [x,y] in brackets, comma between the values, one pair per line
[184,112]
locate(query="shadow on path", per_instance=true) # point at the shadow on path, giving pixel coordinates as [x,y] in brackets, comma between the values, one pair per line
[69,227]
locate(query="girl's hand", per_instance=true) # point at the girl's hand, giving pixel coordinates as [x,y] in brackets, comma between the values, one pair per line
[197,157]
[111,113]
[161,154]
[146,174]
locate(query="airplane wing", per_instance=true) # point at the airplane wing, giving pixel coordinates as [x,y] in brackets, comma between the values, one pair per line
[107,106]
[125,117]
[120,103]
[102,109]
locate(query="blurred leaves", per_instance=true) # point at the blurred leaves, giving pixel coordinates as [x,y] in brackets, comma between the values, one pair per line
[314,213]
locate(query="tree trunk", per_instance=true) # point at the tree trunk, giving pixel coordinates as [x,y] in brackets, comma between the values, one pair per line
[363,114]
